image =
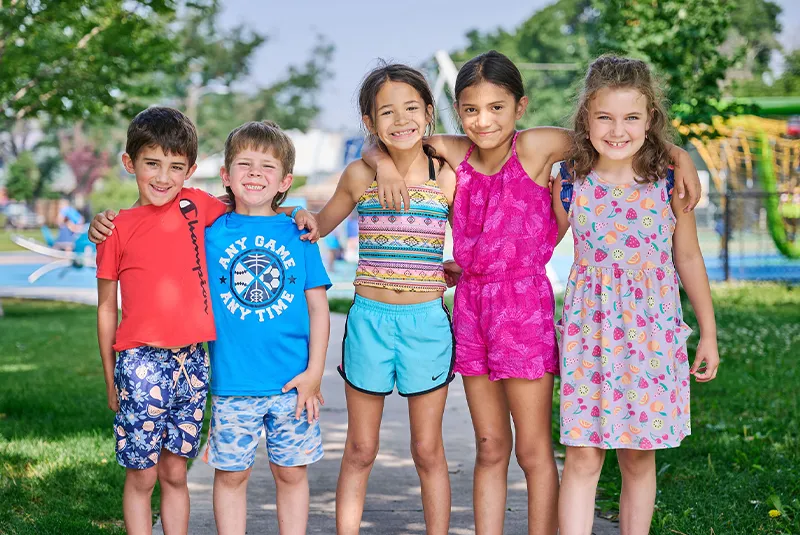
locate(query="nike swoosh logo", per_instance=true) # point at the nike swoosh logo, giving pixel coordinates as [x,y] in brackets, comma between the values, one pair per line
[436,377]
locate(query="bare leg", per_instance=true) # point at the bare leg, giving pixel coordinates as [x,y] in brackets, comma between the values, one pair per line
[578,488]
[638,491]
[174,493]
[291,484]
[490,418]
[230,501]
[364,412]
[531,405]
[136,500]
[427,449]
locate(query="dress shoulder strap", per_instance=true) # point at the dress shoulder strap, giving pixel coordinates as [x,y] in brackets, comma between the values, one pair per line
[469,152]
[670,182]
[431,170]
[514,144]
[567,186]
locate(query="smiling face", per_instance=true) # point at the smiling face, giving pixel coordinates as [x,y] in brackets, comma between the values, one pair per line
[400,118]
[618,122]
[159,176]
[489,113]
[255,178]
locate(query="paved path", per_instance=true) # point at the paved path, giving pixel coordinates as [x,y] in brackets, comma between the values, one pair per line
[393,504]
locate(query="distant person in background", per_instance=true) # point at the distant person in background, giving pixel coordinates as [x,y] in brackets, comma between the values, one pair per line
[70,225]
[335,248]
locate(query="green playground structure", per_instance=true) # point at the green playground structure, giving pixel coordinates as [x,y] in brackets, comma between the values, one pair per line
[760,146]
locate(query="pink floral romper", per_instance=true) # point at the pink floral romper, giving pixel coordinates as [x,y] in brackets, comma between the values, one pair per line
[624,367]
[504,232]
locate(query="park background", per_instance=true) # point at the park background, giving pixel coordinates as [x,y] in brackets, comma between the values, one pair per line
[72,74]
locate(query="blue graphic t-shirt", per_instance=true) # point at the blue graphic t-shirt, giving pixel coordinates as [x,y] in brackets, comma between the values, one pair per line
[258,271]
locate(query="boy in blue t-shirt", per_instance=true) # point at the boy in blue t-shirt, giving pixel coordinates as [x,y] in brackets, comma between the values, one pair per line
[268,291]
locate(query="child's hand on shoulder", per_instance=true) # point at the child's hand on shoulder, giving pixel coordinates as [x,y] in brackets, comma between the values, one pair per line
[102,226]
[308,394]
[706,361]
[305,220]
[452,272]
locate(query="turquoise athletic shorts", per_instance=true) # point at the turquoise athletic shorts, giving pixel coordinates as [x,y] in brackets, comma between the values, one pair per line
[411,345]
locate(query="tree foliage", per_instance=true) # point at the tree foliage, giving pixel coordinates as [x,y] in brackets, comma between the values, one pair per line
[23,178]
[73,59]
[690,43]
[559,33]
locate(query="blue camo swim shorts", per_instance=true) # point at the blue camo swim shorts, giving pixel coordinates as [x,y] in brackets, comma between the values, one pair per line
[237,424]
[162,399]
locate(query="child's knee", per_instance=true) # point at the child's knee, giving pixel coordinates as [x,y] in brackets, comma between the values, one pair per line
[636,463]
[533,458]
[585,462]
[231,479]
[492,450]
[427,453]
[289,475]
[142,480]
[172,470]
[361,454]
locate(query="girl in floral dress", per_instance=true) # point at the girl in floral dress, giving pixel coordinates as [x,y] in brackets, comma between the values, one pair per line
[624,366]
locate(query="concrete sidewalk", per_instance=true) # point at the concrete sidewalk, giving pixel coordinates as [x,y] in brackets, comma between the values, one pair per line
[393,505]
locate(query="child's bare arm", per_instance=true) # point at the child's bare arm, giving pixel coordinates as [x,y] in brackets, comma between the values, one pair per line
[308,382]
[692,270]
[539,148]
[355,179]
[106,335]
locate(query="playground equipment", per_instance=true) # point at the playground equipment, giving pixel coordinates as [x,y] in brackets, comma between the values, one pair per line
[755,159]
[82,255]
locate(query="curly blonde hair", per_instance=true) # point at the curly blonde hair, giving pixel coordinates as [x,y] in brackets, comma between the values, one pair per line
[652,160]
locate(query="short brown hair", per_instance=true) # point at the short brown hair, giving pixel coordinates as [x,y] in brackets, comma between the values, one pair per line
[651,161]
[162,127]
[261,136]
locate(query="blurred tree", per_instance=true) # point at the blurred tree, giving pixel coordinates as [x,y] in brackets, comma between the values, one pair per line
[689,42]
[218,62]
[114,193]
[214,59]
[682,39]
[290,101]
[86,161]
[556,34]
[23,178]
[91,57]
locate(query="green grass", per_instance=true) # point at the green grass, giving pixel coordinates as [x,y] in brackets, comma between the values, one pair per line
[743,458]
[58,473]
[5,239]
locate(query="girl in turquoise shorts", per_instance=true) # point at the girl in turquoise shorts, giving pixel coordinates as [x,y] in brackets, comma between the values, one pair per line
[398,328]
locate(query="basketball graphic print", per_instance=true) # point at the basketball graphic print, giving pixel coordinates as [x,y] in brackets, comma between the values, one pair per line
[257,277]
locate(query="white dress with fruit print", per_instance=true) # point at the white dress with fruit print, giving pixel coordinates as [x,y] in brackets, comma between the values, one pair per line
[624,367]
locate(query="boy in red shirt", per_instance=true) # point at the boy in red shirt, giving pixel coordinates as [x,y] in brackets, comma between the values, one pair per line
[158,384]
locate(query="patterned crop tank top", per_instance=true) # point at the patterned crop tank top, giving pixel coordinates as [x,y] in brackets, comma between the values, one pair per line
[400,250]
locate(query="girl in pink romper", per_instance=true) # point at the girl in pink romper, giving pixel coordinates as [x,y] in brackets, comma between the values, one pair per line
[624,366]
[504,232]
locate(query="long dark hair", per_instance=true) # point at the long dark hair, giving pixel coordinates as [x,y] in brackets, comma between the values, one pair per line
[492,67]
[651,161]
[396,72]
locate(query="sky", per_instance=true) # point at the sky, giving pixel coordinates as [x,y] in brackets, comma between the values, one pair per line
[408,31]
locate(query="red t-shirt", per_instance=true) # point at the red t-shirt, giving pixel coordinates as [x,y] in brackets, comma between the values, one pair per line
[158,255]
